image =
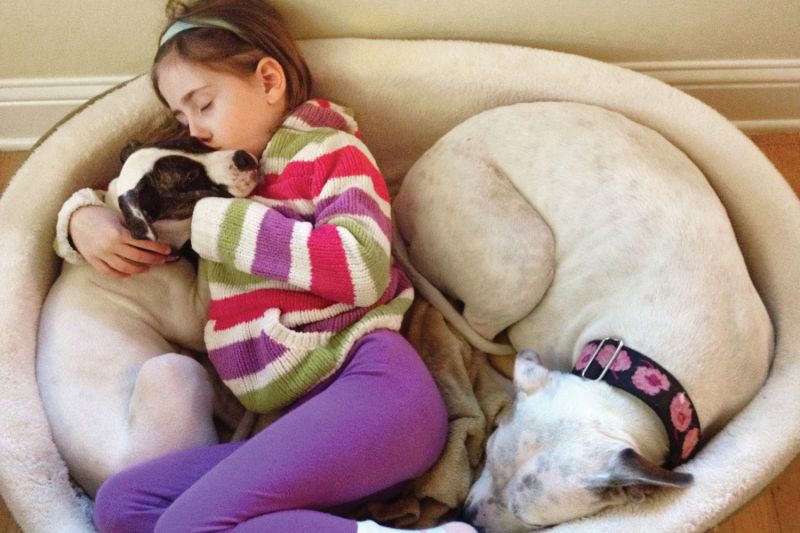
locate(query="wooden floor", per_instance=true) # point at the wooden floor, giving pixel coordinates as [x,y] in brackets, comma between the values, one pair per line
[777,508]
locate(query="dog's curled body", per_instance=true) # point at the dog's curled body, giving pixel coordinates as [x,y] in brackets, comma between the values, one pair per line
[642,250]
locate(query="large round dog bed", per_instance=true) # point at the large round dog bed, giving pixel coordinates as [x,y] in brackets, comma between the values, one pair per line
[407,94]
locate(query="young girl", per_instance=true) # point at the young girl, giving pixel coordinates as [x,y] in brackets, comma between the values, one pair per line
[305,307]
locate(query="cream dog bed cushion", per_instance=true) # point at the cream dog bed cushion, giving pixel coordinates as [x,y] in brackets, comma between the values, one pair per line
[407,94]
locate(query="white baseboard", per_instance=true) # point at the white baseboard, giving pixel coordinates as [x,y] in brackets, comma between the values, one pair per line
[31,106]
[757,95]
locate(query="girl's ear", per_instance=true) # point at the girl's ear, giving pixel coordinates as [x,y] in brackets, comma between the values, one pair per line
[272,78]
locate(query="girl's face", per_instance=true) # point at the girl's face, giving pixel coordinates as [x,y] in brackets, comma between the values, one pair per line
[225,110]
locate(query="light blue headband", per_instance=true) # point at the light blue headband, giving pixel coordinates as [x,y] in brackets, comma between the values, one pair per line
[183,25]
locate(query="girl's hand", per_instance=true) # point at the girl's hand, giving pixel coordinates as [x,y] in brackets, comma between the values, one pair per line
[101,237]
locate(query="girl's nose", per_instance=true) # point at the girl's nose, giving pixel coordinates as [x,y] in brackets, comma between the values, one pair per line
[197,131]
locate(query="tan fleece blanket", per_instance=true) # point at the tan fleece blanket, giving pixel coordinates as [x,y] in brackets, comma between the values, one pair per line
[407,94]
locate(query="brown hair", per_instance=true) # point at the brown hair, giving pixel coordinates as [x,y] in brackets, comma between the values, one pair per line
[261,32]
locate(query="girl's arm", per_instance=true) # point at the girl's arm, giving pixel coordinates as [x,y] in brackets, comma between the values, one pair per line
[343,256]
[88,230]
[63,244]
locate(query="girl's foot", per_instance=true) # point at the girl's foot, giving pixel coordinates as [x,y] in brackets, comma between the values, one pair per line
[455,527]
[369,526]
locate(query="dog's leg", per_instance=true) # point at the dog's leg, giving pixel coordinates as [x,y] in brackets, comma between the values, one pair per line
[472,235]
[171,397]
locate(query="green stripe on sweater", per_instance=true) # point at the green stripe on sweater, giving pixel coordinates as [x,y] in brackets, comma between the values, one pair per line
[372,255]
[230,231]
[321,361]
[287,143]
[283,390]
[219,273]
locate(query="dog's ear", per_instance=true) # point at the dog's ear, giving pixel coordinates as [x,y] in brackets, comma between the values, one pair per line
[128,149]
[141,206]
[638,476]
[529,374]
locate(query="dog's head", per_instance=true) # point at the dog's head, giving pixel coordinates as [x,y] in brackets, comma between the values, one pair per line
[163,181]
[560,454]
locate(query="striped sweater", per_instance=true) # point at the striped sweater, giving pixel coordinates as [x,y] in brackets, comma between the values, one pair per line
[302,269]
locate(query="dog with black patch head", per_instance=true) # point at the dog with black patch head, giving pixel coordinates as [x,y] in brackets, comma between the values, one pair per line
[110,408]
[159,185]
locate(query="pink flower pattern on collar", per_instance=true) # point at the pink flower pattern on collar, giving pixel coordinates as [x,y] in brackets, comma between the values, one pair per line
[647,380]
[680,412]
[650,380]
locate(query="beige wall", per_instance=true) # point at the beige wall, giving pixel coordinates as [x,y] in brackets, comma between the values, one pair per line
[742,57]
[80,38]
[77,38]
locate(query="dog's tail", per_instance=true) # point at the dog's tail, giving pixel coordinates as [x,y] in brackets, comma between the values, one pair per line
[435,297]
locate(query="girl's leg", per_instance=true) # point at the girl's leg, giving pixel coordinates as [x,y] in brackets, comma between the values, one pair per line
[135,499]
[380,422]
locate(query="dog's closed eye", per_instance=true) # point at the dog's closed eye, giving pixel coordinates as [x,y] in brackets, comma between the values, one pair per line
[194,180]
[176,177]
[608,493]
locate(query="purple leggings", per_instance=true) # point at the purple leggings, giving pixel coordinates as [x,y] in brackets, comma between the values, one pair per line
[381,421]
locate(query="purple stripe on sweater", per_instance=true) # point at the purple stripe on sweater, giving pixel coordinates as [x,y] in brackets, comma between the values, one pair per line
[321,117]
[290,213]
[273,255]
[245,357]
[354,202]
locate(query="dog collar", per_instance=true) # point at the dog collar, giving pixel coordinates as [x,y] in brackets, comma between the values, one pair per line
[619,365]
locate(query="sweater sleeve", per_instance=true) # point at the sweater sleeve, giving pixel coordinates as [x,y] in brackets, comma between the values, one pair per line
[63,244]
[338,250]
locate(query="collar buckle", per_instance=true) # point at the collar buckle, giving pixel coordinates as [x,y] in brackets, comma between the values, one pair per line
[607,340]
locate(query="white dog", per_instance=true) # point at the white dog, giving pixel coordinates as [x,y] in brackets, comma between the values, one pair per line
[115,390]
[566,224]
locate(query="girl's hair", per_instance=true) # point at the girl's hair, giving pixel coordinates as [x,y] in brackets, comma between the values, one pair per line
[261,32]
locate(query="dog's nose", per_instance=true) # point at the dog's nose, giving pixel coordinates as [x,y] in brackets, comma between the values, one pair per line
[244,161]
[468,515]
